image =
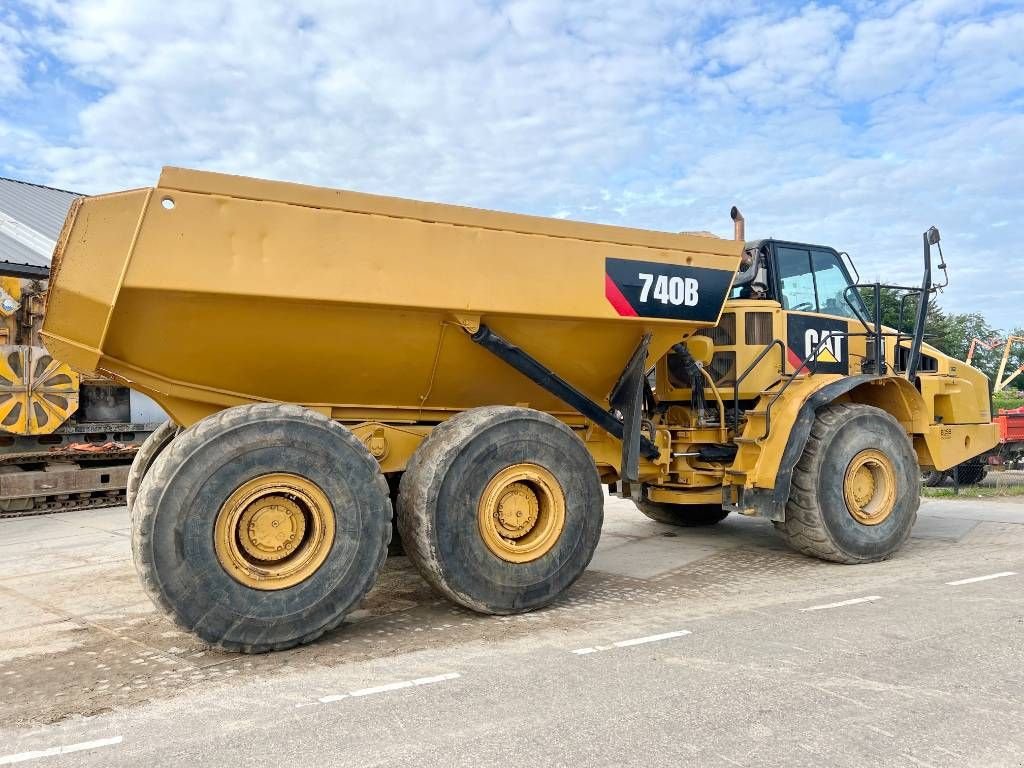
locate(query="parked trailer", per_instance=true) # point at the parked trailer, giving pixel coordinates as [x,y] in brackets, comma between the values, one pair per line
[327,354]
[1010,451]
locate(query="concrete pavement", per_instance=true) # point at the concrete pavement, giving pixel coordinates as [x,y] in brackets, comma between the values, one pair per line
[692,647]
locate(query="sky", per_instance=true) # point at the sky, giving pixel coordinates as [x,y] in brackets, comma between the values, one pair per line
[855,124]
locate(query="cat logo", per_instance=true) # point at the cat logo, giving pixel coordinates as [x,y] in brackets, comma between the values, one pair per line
[824,346]
[817,344]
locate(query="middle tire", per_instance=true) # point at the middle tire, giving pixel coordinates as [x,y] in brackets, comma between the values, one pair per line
[500,509]
[683,515]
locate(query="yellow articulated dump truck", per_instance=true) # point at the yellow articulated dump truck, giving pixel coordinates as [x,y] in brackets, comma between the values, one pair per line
[331,360]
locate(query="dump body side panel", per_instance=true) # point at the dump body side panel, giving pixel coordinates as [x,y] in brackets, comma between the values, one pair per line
[354,304]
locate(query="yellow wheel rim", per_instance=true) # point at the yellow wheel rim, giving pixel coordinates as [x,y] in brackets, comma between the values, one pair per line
[274,531]
[521,513]
[870,487]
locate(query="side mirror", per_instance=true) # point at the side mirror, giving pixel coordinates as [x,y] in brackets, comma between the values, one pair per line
[933,236]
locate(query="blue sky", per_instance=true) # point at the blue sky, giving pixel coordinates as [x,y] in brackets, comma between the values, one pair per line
[854,124]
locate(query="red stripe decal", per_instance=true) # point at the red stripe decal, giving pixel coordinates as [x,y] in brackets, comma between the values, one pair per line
[614,295]
[795,361]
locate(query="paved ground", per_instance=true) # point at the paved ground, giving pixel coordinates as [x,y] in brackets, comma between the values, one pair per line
[713,647]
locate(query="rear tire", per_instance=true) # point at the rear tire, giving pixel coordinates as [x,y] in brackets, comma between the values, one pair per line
[151,447]
[854,496]
[934,478]
[260,527]
[683,515]
[500,509]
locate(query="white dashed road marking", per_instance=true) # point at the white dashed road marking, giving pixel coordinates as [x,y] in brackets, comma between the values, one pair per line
[56,751]
[980,578]
[855,601]
[385,688]
[634,641]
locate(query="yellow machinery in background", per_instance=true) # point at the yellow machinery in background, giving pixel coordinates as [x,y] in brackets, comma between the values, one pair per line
[56,453]
[331,359]
[37,393]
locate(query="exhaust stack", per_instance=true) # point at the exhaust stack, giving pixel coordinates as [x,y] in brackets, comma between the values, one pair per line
[739,224]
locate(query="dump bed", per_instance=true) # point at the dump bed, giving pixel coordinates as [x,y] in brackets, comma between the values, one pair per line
[212,290]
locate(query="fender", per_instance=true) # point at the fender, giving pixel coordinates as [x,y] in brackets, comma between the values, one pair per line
[773,506]
[907,406]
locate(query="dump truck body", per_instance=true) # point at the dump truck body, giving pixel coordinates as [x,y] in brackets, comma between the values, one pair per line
[333,358]
[349,303]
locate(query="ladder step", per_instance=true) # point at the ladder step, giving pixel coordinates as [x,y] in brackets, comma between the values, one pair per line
[774,388]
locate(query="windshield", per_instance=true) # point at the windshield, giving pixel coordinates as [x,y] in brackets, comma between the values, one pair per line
[813,280]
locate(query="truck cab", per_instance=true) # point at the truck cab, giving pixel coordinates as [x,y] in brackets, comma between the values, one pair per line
[796,318]
[801,277]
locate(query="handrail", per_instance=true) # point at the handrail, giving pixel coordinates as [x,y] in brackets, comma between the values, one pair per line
[760,356]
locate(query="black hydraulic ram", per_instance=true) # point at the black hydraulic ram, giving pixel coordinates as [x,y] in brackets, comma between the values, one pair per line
[628,431]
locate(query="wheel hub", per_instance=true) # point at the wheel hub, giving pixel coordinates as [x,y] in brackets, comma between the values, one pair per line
[869,487]
[271,528]
[274,531]
[517,511]
[521,513]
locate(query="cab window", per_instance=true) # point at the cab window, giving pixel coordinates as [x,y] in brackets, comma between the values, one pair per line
[814,281]
[795,279]
[832,283]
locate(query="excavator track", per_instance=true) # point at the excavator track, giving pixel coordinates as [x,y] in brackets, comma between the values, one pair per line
[66,478]
[45,505]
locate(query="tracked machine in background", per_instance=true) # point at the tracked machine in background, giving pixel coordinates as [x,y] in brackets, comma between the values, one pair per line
[67,440]
[334,358]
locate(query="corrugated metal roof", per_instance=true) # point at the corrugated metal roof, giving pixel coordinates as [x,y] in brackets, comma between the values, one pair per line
[31,217]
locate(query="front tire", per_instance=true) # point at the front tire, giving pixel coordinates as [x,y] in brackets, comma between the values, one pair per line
[500,509]
[854,495]
[260,527]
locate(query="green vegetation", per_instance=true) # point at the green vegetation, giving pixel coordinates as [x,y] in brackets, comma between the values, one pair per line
[1008,399]
[952,333]
[1010,488]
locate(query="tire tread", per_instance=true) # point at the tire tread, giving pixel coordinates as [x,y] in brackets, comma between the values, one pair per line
[804,528]
[167,463]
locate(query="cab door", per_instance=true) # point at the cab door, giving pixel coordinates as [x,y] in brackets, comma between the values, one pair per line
[810,283]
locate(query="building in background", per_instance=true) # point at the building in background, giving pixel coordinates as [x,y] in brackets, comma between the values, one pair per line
[66,440]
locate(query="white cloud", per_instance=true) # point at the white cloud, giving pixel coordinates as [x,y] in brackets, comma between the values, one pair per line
[11,58]
[855,127]
[771,57]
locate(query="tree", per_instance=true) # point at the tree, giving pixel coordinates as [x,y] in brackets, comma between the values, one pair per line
[899,311]
[949,333]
